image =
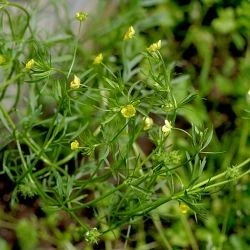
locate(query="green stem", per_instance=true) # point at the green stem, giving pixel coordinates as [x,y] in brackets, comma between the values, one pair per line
[218,176]
[157,222]
[32,179]
[93,202]
[10,23]
[75,50]
[7,121]
[127,236]
[160,201]
[205,72]
[26,13]
[189,232]
[83,225]
[9,81]
[224,227]
[24,164]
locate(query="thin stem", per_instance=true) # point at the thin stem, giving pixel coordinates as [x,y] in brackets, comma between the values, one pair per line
[209,180]
[83,225]
[127,236]
[24,164]
[75,50]
[189,232]
[26,13]
[9,124]
[160,230]
[93,202]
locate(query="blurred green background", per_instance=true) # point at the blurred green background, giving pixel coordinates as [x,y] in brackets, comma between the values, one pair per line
[209,41]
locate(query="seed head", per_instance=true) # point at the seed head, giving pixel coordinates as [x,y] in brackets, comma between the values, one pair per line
[81,16]
[92,236]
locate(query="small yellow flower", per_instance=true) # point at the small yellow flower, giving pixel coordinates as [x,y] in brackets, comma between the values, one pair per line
[148,123]
[81,16]
[183,208]
[166,129]
[128,111]
[74,145]
[98,59]
[154,47]
[30,64]
[76,83]
[129,34]
[168,107]
[2,59]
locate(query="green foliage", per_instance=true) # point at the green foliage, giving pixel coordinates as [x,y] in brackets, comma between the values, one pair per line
[74,136]
[26,234]
[3,244]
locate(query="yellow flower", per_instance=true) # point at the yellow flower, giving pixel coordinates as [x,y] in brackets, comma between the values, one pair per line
[74,145]
[81,16]
[2,59]
[168,107]
[183,208]
[98,59]
[128,111]
[129,34]
[154,47]
[166,129]
[76,83]
[30,64]
[148,123]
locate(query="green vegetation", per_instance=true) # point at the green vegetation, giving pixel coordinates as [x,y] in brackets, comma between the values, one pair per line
[126,128]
